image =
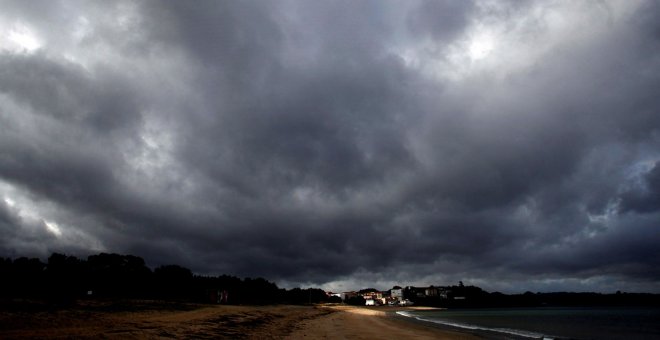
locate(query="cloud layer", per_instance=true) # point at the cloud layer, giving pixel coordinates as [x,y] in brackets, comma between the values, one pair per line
[338,143]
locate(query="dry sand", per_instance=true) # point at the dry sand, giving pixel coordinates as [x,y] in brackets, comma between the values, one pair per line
[151,320]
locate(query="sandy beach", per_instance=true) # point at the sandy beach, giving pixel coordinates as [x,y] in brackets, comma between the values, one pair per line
[148,320]
[349,322]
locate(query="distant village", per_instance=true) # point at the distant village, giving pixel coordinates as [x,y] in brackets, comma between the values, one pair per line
[462,296]
[398,296]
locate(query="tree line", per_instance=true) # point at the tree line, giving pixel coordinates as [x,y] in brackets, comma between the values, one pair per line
[465,296]
[64,279]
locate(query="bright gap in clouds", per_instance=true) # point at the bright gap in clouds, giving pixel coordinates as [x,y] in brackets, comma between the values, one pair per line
[23,39]
[480,47]
[53,228]
[10,202]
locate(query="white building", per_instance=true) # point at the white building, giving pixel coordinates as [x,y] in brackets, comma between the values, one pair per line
[397,294]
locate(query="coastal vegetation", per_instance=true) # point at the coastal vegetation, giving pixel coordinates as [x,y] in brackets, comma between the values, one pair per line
[63,279]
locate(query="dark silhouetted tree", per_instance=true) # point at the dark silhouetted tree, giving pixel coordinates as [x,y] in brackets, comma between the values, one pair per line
[28,277]
[67,278]
[173,281]
[116,275]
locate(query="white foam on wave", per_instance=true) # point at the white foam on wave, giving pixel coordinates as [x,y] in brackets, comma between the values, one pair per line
[517,332]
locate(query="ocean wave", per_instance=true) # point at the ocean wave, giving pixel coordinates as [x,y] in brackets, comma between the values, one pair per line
[516,332]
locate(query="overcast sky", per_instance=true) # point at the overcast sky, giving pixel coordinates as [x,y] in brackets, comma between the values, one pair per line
[513,145]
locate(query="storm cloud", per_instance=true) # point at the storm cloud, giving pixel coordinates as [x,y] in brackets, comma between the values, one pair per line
[344,144]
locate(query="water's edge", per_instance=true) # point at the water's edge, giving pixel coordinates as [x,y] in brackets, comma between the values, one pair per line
[505,333]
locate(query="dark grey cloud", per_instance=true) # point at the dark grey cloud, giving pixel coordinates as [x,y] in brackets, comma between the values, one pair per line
[645,196]
[338,143]
[440,20]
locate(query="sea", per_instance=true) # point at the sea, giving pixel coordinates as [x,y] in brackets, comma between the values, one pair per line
[550,322]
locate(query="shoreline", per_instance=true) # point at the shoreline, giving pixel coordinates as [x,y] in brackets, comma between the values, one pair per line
[478,333]
[444,331]
[357,322]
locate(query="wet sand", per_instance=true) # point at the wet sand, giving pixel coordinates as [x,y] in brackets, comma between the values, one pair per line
[370,323]
[151,320]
